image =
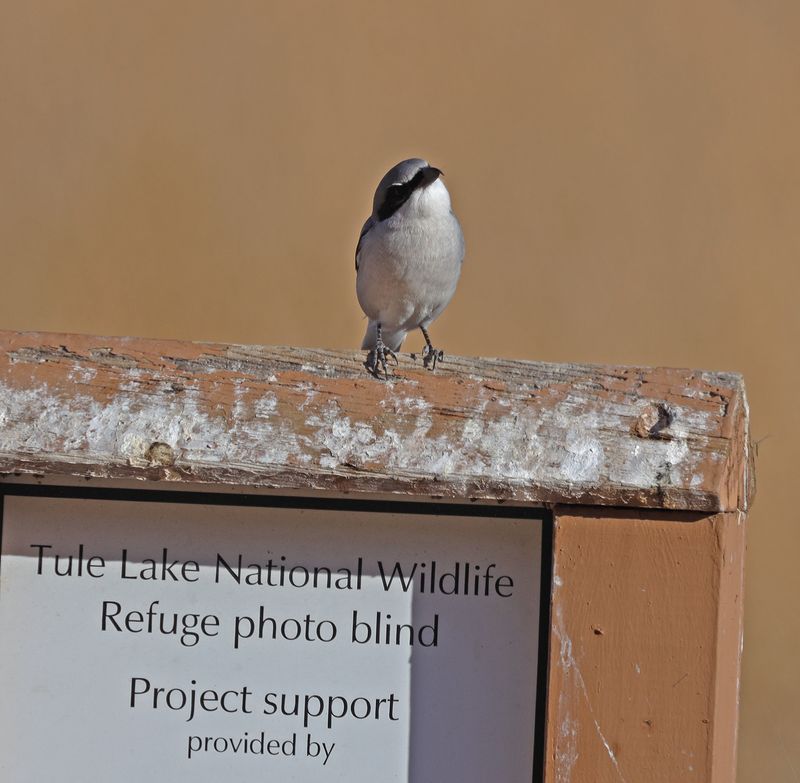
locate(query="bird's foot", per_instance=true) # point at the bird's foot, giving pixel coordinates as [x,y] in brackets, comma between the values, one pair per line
[377,360]
[430,357]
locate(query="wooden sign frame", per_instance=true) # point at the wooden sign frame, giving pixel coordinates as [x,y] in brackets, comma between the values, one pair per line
[647,474]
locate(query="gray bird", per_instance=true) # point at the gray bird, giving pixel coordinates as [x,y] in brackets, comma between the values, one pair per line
[408,261]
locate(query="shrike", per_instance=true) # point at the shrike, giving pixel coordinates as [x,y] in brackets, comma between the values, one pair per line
[408,261]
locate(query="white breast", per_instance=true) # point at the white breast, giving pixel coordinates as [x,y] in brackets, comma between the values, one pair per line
[409,264]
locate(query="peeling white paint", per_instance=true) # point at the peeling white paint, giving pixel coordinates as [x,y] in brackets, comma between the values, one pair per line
[565,446]
[608,748]
[572,675]
[125,427]
[132,380]
[412,404]
[309,392]
[81,374]
[691,421]
[567,749]
[652,462]
[584,456]
[265,406]
[345,443]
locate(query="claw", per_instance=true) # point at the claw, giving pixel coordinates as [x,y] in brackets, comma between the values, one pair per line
[377,361]
[430,357]
[378,355]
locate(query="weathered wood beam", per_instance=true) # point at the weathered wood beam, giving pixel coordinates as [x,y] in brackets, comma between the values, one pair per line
[292,418]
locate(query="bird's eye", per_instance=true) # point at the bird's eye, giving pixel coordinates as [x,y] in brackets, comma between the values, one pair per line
[396,196]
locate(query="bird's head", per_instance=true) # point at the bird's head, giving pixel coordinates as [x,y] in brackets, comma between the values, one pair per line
[412,186]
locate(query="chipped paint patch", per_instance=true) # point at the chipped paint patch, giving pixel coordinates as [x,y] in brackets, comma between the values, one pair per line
[584,457]
[82,374]
[653,463]
[265,406]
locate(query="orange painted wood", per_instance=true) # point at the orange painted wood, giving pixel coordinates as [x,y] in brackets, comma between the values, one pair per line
[645,646]
[291,418]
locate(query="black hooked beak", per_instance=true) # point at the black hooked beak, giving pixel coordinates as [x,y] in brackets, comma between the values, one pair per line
[429,175]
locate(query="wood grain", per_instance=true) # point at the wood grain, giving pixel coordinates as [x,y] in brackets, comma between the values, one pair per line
[293,418]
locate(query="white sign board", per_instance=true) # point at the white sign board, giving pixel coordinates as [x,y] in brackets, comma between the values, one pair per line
[198,642]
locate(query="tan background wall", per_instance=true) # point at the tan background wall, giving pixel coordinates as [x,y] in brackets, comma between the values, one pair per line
[627,174]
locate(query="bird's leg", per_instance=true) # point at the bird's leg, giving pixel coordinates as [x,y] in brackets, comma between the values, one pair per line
[430,355]
[378,355]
